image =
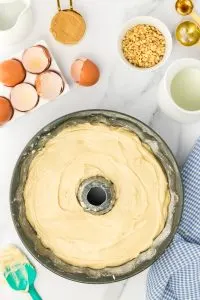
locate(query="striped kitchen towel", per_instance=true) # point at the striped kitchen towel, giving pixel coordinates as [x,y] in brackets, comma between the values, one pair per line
[176,275]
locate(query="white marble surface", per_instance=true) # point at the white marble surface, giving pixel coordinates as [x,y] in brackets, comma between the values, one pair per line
[118,89]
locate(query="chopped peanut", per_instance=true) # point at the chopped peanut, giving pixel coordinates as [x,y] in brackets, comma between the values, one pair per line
[144,46]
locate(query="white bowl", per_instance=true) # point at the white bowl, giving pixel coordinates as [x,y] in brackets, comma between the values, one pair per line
[149,21]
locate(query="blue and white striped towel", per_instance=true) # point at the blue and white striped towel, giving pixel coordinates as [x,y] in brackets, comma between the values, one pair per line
[176,275]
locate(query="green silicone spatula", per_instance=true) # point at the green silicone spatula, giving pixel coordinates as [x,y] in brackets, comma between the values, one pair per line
[22,278]
[18,272]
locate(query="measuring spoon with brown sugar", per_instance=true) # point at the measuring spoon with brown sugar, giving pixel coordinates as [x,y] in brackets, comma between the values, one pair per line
[186,8]
[67,26]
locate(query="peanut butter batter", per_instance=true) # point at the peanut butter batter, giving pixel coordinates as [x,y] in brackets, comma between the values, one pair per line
[78,237]
[11,258]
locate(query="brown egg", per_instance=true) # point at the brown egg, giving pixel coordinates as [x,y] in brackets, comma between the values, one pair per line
[6,110]
[36,59]
[12,72]
[85,72]
[49,85]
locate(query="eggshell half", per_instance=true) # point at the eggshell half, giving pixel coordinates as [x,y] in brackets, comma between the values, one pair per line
[6,110]
[49,85]
[24,97]
[12,72]
[36,59]
[85,72]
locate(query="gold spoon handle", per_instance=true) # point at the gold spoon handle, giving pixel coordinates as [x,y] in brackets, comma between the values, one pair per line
[58,5]
[71,4]
[195,17]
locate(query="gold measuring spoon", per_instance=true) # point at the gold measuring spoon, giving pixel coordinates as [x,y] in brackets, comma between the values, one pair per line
[188,33]
[67,26]
[185,8]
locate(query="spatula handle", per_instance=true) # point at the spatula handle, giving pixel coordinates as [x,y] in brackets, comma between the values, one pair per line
[33,293]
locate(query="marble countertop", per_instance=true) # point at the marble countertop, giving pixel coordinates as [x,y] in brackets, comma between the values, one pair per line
[119,89]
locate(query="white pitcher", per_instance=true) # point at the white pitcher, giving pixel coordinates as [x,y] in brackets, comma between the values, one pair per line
[15,21]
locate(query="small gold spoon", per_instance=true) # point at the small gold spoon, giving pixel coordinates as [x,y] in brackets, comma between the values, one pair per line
[188,33]
[185,8]
[67,26]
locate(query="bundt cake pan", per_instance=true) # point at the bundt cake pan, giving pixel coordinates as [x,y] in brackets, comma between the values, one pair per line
[110,274]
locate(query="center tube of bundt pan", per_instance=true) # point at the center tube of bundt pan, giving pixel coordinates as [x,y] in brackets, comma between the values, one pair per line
[96,195]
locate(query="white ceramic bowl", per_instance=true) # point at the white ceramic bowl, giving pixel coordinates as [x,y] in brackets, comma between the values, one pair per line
[165,100]
[150,21]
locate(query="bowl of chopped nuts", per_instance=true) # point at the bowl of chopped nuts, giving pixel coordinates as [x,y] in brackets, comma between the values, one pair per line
[145,43]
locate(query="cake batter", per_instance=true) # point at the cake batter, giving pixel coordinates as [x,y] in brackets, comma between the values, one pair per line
[81,238]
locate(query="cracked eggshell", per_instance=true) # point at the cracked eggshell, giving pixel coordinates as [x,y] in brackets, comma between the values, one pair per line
[24,97]
[36,59]
[49,85]
[85,72]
